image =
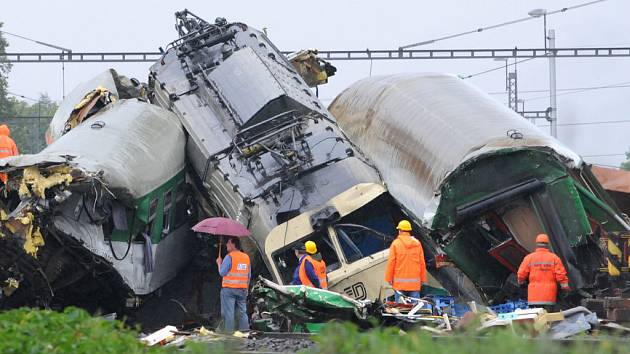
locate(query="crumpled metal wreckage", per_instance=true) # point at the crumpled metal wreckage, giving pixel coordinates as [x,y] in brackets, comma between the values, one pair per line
[100,217]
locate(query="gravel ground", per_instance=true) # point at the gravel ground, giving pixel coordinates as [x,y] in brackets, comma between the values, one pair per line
[276,345]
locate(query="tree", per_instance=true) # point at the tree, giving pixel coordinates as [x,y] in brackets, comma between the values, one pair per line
[626,165]
[5,68]
[28,122]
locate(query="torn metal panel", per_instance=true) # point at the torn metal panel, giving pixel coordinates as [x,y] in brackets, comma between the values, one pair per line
[315,71]
[89,97]
[300,304]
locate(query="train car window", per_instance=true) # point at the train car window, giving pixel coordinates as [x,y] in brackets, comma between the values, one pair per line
[153,209]
[287,262]
[181,206]
[358,241]
[166,215]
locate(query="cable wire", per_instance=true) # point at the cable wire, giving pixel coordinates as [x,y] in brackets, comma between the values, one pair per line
[481,29]
[498,68]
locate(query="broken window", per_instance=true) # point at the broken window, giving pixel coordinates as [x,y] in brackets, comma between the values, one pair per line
[181,206]
[166,215]
[153,206]
[368,230]
[357,241]
[287,262]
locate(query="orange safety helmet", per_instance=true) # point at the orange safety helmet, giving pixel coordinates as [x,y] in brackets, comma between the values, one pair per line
[542,238]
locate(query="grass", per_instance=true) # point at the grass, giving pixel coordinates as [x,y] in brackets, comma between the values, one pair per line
[26,331]
[346,338]
[75,331]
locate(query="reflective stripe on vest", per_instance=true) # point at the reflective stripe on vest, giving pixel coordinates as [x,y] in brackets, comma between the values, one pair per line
[406,280]
[238,275]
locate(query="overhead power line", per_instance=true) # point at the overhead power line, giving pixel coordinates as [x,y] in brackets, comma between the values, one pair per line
[481,29]
[590,123]
[562,89]
[22,96]
[619,85]
[604,155]
[36,41]
[495,69]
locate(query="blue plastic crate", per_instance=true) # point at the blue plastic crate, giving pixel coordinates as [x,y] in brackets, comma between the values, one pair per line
[443,304]
[460,309]
[510,306]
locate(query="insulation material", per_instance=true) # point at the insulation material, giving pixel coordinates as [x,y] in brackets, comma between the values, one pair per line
[94,100]
[403,122]
[33,181]
[57,125]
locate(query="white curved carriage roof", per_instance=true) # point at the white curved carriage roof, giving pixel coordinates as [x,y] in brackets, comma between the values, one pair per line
[417,128]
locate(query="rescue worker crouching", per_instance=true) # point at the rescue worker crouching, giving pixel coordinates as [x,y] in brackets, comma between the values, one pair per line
[311,268]
[543,270]
[236,272]
[406,269]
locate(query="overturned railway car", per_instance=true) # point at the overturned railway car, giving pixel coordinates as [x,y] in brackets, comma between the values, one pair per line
[98,218]
[482,181]
[265,151]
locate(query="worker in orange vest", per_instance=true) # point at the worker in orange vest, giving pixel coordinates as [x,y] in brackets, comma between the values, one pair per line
[311,268]
[543,269]
[406,269]
[7,147]
[236,272]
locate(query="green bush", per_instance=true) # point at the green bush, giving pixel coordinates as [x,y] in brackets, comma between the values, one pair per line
[346,338]
[26,330]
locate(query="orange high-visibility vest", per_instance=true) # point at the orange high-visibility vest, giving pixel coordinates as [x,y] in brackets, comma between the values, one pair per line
[406,269]
[320,271]
[238,276]
[543,269]
[7,147]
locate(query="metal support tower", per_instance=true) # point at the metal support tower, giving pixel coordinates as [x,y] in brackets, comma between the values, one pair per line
[366,54]
[512,86]
[553,116]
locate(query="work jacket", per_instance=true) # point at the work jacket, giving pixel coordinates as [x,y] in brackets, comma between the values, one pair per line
[543,269]
[238,276]
[7,147]
[406,269]
[319,266]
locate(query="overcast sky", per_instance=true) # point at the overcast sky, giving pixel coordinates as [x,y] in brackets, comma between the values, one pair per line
[117,25]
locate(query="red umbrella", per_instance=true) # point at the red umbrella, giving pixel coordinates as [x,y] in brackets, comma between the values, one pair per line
[221,226]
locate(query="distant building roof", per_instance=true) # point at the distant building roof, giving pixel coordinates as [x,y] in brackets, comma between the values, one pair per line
[613,179]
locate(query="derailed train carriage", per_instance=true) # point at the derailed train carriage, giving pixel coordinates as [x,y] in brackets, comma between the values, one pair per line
[265,151]
[99,217]
[482,182]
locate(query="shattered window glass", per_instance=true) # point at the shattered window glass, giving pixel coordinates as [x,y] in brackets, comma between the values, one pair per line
[368,230]
[358,242]
[287,262]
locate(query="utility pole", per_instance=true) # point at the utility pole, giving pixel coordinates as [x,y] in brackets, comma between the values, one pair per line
[553,114]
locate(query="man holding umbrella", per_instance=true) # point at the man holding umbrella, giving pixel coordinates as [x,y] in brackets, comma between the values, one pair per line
[235,269]
[236,272]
